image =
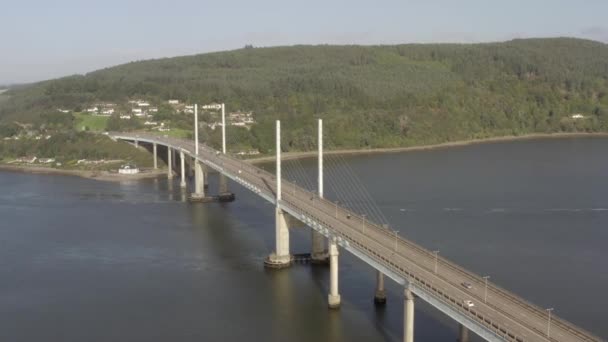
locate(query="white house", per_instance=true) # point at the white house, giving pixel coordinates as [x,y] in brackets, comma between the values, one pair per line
[215,106]
[92,110]
[150,123]
[173,102]
[125,117]
[136,110]
[128,170]
[108,111]
[153,109]
[577,116]
[143,104]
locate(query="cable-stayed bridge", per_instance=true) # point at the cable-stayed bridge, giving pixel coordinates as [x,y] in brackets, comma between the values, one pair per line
[476,304]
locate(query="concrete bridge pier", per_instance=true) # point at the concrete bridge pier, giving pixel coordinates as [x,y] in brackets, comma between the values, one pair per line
[318,254]
[174,158]
[463,333]
[154,148]
[199,181]
[182,160]
[281,257]
[223,184]
[380,296]
[334,296]
[408,316]
[169,163]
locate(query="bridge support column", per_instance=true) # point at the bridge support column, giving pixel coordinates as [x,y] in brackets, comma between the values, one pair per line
[223,184]
[169,163]
[408,317]
[182,161]
[199,181]
[380,296]
[136,143]
[463,333]
[281,257]
[155,156]
[334,296]
[318,254]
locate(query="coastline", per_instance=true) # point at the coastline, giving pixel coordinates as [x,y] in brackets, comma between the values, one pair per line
[309,154]
[115,177]
[89,174]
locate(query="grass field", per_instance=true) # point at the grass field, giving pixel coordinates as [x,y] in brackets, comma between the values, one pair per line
[178,133]
[92,122]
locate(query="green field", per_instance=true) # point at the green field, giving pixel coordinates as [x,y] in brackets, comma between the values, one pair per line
[175,133]
[92,122]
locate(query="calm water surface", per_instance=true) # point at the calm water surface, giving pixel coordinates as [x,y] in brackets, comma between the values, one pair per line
[82,260]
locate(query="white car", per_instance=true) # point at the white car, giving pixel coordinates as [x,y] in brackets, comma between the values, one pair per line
[467,285]
[468,303]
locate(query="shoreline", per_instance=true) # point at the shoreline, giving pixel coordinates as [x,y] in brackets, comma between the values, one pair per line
[88,174]
[115,177]
[362,151]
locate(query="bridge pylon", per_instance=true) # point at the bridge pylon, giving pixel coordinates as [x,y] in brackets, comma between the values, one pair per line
[318,253]
[281,257]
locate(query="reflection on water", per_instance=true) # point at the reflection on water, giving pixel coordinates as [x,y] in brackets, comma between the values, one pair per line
[86,260]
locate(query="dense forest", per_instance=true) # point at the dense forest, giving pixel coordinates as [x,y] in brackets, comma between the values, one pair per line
[369,96]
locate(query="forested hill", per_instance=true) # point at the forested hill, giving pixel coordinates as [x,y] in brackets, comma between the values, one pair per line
[369,96]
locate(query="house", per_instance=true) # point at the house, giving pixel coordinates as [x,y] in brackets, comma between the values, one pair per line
[173,102]
[128,169]
[577,116]
[125,117]
[92,110]
[241,119]
[143,104]
[153,110]
[150,123]
[46,160]
[136,110]
[213,106]
[63,110]
[27,160]
[108,111]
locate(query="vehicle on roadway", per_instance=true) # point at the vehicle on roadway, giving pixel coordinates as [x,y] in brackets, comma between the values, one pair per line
[467,285]
[468,303]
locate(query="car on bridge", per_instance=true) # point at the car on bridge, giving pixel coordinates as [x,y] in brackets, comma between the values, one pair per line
[468,303]
[467,285]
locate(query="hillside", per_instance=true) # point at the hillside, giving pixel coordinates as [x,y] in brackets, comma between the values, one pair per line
[369,96]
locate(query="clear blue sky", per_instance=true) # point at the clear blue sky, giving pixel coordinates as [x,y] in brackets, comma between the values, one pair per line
[46,39]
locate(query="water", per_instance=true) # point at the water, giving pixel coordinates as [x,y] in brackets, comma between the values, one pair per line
[86,260]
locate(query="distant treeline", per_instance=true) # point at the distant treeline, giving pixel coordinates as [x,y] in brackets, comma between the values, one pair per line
[369,96]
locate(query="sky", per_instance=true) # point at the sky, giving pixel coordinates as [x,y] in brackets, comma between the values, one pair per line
[47,39]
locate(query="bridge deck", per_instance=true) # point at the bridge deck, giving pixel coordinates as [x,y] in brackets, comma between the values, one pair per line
[505,316]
